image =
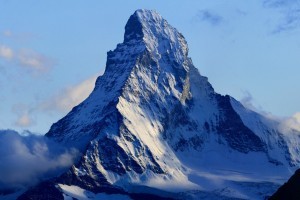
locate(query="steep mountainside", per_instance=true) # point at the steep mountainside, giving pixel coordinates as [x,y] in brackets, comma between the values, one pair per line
[290,190]
[154,125]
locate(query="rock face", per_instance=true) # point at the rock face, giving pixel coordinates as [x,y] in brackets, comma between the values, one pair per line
[45,190]
[153,121]
[290,190]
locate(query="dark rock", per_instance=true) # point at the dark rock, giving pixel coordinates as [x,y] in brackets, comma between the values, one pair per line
[44,191]
[232,128]
[289,190]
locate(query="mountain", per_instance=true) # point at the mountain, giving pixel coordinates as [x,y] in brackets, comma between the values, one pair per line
[153,125]
[290,189]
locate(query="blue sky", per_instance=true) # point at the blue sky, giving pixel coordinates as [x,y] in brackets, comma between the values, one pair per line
[52,51]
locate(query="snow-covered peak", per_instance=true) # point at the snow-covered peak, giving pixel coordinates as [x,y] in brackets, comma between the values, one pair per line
[159,37]
[153,121]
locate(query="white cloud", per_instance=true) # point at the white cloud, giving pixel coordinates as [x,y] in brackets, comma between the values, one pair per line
[285,124]
[6,52]
[26,160]
[291,122]
[247,100]
[70,96]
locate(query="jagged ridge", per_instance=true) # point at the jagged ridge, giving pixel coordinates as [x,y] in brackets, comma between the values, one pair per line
[153,120]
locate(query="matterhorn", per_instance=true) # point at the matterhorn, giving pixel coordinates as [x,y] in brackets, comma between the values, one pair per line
[154,128]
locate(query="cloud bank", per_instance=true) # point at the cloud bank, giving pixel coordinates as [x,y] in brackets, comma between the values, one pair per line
[28,159]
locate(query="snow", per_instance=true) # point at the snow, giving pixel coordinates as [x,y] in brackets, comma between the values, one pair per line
[72,191]
[280,145]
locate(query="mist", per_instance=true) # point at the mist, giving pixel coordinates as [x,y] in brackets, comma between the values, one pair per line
[25,160]
[287,124]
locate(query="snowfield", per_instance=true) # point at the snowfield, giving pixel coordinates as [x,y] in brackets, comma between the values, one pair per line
[72,191]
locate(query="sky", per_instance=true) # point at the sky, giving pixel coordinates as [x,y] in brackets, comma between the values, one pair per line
[52,51]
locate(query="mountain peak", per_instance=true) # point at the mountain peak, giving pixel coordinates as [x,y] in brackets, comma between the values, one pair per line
[141,19]
[153,120]
[149,18]
[156,33]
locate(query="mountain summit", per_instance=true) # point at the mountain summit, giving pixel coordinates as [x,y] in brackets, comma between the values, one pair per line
[154,126]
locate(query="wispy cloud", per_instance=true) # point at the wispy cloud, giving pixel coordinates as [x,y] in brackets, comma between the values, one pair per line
[209,17]
[24,120]
[7,33]
[61,102]
[279,3]
[290,11]
[291,21]
[17,36]
[23,113]
[291,123]
[33,62]
[249,102]
[285,124]
[26,160]
[6,52]
[70,96]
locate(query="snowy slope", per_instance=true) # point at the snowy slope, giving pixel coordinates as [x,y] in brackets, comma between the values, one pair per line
[154,122]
